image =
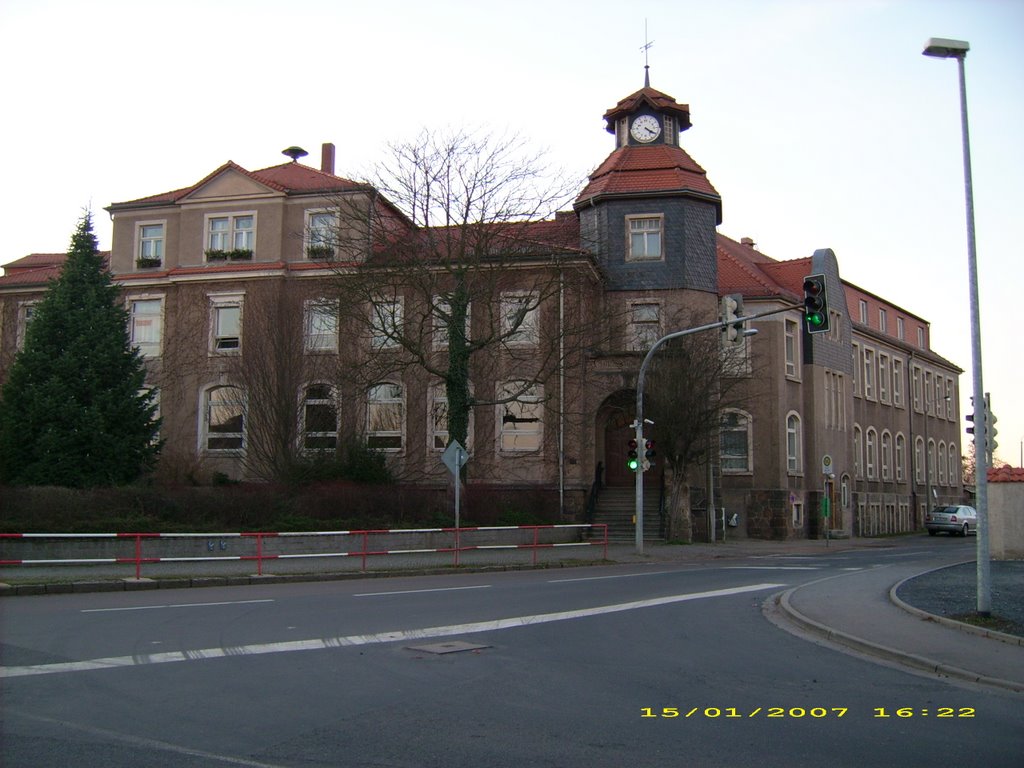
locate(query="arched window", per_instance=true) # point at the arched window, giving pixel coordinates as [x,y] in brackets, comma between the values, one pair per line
[858,451]
[954,466]
[901,457]
[844,491]
[931,461]
[735,442]
[794,444]
[919,460]
[319,418]
[385,417]
[224,419]
[886,455]
[941,462]
[871,453]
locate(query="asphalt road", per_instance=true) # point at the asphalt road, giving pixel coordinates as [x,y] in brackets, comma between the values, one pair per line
[579,667]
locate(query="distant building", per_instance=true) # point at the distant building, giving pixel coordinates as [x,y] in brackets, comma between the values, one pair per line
[205,268]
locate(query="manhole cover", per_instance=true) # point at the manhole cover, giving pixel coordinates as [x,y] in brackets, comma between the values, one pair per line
[453,646]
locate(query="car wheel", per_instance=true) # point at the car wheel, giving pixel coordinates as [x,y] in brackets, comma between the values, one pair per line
[963,531]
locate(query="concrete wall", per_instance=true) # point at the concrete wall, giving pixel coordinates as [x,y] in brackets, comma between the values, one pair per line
[1006,520]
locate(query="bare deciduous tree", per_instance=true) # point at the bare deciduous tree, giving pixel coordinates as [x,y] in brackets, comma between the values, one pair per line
[458,271]
[691,383]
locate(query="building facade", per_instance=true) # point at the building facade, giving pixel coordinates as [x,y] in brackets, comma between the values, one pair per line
[229,284]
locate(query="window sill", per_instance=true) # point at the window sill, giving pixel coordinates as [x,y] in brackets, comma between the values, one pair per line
[148,263]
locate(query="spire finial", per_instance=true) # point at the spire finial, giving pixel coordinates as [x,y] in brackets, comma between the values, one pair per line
[645,48]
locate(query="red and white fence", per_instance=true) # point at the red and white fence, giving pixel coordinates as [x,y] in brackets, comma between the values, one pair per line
[359,544]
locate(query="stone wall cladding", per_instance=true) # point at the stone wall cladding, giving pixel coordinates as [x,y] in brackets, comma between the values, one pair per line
[689,242]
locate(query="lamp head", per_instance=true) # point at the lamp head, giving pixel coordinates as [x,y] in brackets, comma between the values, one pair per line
[941,48]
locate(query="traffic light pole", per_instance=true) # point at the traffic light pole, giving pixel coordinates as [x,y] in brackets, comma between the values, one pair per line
[639,423]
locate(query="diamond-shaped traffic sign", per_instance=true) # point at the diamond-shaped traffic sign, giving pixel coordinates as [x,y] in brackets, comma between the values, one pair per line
[454,457]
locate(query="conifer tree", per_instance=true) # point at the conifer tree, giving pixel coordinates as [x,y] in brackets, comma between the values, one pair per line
[74,411]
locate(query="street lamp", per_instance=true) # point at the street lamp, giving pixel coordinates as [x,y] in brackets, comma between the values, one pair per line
[957,49]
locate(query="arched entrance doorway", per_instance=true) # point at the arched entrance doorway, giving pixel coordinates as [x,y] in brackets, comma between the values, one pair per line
[613,432]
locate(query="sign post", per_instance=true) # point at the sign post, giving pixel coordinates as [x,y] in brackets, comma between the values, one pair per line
[826,500]
[455,458]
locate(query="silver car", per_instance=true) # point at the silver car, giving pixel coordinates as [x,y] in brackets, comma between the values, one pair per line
[953,520]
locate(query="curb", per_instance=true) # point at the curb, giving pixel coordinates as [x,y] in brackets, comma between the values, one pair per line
[970,629]
[874,649]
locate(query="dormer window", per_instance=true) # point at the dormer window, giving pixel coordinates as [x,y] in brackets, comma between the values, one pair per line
[670,129]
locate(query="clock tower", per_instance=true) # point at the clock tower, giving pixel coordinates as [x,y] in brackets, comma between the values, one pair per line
[649,211]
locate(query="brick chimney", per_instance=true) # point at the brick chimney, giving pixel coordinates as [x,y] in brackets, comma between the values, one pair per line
[327,158]
[747,241]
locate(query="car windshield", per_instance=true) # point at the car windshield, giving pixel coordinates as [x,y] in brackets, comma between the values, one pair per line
[944,510]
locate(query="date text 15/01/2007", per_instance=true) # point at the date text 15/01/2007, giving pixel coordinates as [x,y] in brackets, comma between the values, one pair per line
[798,712]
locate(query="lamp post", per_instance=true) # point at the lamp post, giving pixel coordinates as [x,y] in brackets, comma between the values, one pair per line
[957,49]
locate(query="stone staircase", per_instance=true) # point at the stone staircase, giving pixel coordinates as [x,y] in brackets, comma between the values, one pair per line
[615,507]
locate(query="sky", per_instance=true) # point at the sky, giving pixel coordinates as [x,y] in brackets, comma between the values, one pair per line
[818,121]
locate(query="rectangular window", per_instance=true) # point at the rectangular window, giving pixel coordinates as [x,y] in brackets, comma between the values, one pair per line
[798,514]
[519,319]
[915,376]
[920,337]
[883,321]
[320,418]
[734,437]
[645,240]
[387,323]
[884,380]
[226,323]
[231,236]
[443,322]
[897,382]
[950,409]
[869,374]
[150,251]
[520,420]
[644,326]
[146,325]
[321,331]
[863,306]
[385,417]
[901,329]
[792,350]
[929,405]
[321,228]
[856,370]
[26,311]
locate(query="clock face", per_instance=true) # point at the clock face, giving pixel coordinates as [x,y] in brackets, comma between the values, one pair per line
[645,128]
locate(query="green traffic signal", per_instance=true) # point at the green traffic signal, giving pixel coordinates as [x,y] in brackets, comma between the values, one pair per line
[816,304]
[633,458]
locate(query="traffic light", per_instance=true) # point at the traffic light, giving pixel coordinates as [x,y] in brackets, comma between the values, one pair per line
[632,457]
[649,454]
[731,314]
[816,304]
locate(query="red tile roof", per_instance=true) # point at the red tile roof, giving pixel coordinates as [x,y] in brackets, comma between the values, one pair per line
[1006,474]
[660,102]
[743,269]
[660,168]
[36,269]
[289,178]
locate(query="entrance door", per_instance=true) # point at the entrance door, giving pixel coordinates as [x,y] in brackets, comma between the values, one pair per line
[616,438]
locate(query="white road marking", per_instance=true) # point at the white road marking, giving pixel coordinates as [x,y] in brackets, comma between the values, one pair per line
[601,578]
[771,568]
[403,635]
[173,605]
[418,591]
[151,744]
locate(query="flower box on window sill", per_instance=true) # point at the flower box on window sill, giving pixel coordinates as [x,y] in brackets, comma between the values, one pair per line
[239,254]
[320,252]
[147,263]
